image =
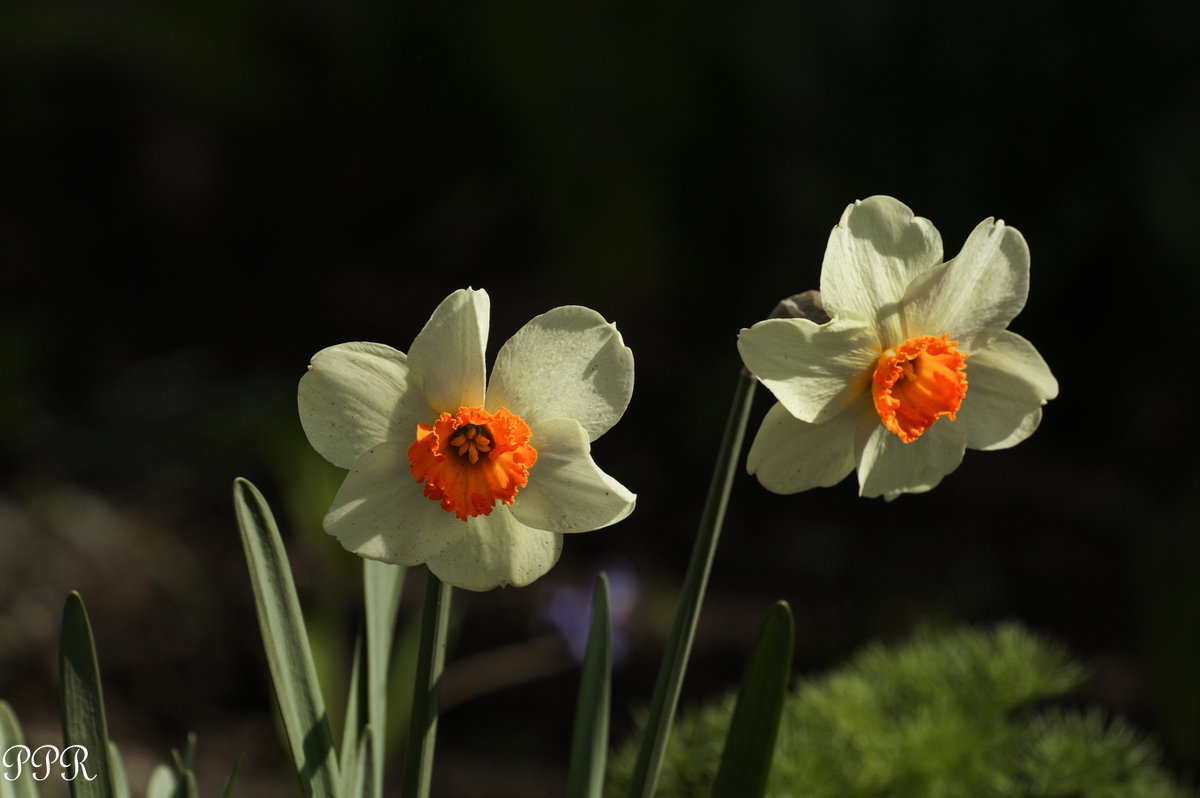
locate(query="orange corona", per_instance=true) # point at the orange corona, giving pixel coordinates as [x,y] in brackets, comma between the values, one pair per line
[472,458]
[917,383]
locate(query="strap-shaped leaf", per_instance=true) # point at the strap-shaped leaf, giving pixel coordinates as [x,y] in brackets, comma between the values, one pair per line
[83,702]
[190,788]
[427,686]
[356,713]
[589,746]
[361,781]
[187,787]
[382,584]
[120,779]
[285,638]
[229,782]
[750,745]
[661,712]
[22,785]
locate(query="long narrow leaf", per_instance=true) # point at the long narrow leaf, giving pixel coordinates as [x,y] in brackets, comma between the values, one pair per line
[589,746]
[83,702]
[183,767]
[750,744]
[286,641]
[229,782]
[361,783]
[120,779]
[382,584]
[356,713]
[21,784]
[691,598]
[431,657]
[190,788]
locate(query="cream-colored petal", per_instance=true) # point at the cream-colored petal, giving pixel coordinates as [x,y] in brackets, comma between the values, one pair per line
[381,513]
[566,363]
[814,370]
[789,455]
[976,295]
[876,250]
[567,491]
[887,466]
[356,395]
[1007,384]
[447,356]
[497,550]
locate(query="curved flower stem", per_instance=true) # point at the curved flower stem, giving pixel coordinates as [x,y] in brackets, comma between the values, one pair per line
[431,657]
[683,629]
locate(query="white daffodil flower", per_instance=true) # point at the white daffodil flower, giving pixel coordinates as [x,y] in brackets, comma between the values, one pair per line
[478,480]
[914,366]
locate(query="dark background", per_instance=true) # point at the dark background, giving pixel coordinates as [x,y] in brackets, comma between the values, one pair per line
[195,197]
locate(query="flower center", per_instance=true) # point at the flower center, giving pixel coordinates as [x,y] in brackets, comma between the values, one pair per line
[472,458]
[917,383]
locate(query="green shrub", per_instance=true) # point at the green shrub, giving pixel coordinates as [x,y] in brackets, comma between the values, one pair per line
[957,714]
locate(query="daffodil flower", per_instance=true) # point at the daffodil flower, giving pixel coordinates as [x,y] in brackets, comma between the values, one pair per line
[914,365]
[479,481]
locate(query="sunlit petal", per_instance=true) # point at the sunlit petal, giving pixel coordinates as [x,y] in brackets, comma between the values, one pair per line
[354,396]
[875,251]
[566,363]
[497,551]
[1010,383]
[379,511]
[567,491]
[789,455]
[814,370]
[887,466]
[975,296]
[447,356]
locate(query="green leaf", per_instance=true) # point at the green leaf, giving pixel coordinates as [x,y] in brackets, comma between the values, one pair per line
[589,745]
[22,785]
[232,778]
[382,584]
[186,787]
[286,641]
[163,782]
[356,711]
[683,629]
[750,745]
[83,702]
[367,703]
[362,784]
[431,658]
[120,780]
[190,789]
[184,761]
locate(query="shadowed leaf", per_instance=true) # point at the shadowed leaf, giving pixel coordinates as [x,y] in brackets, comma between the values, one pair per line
[750,745]
[83,702]
[589,747]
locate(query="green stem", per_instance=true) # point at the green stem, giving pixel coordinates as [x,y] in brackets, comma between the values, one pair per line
[683,629]
[431,657]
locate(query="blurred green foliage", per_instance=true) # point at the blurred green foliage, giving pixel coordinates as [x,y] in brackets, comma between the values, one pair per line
[944,714]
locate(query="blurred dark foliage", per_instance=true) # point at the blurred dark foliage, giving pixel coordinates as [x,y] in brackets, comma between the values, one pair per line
[197,196]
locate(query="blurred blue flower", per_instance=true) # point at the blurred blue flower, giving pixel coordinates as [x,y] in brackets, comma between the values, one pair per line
[568,610]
